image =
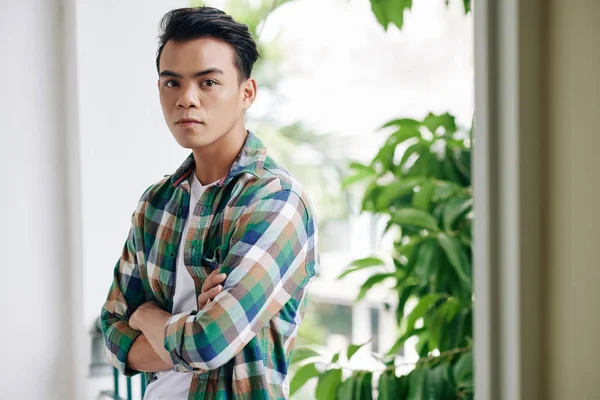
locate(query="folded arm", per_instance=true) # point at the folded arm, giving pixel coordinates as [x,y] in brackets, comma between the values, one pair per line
[270,258]
[125,347]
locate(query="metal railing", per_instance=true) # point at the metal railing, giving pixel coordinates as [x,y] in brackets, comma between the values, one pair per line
[115,393]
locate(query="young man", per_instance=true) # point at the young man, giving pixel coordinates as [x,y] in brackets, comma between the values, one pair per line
[211,286]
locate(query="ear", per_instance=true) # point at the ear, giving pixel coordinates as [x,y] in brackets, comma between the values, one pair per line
[248,92]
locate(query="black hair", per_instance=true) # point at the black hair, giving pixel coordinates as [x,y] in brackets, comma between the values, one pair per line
[191,23]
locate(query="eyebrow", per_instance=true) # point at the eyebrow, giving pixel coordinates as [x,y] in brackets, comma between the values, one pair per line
[196,75]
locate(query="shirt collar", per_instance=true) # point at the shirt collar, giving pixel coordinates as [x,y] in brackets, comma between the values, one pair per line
[251,159]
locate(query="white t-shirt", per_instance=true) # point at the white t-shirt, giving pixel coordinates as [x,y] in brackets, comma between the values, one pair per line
[170,384]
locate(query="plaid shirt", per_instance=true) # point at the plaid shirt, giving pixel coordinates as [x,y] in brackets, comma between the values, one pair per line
[257,226]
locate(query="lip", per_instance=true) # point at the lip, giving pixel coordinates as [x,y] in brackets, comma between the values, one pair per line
[187,121]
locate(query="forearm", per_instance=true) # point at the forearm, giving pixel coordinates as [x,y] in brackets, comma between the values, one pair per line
[152,324]
[143,358]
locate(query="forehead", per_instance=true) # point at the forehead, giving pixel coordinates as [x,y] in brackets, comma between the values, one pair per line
[197,54]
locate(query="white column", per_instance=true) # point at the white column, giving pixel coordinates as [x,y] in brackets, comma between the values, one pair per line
[39,348]
[507,233]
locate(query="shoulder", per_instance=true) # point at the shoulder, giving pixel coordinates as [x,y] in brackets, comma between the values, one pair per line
[156,195]
[277,185]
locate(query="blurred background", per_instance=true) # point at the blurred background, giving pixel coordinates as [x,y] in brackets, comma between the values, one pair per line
[369,103]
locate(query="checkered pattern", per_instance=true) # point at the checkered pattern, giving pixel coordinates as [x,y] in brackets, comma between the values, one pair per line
[257,226]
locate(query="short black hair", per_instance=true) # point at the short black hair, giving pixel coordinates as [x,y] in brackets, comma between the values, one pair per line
[191,23]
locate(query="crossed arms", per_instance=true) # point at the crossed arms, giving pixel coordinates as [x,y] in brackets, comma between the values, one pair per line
[270,258]
[148,354]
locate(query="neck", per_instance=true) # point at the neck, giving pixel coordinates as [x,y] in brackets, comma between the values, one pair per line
[214,161]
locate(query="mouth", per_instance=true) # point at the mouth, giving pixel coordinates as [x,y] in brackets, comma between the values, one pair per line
[188,122]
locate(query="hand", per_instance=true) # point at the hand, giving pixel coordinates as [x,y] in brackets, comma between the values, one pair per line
[135,321]
[211,288]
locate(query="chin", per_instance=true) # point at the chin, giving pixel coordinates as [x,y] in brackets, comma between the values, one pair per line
[194,141]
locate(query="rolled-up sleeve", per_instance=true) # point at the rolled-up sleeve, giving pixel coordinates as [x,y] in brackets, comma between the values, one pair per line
[125,295]
[269,260]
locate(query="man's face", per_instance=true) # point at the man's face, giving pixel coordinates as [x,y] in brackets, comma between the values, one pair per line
[200,93]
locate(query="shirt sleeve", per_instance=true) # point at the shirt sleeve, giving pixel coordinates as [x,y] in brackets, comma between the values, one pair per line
[125,295]
[270,259]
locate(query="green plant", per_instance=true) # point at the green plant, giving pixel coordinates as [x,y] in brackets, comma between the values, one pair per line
[420,181]
[392,11]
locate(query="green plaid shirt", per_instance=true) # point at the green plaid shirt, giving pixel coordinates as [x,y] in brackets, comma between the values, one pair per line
[258,227]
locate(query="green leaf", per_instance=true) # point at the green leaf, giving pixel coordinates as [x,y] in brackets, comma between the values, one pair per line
[422,346]
[463,164]
[361,172]
[435,325]
[433,122]
[400,342]
[371,194]
[440,383]
[395,190]
[454,209]
[414,217]
[418,384]
[456,256]
[353,348]
[347,389]
[449,309]
[450,171]
[422,307]
[402,122]
[408,152]
[303,375]
[426,260]
[403,383]
[366,387]
[359,176]
[328,384]
[335,358]
[463,369]
[467,4]
[370,282]
[388,386]
[405,133]
[362,264]
[404,294]
[359,167]
[380,11]
[302,353]
[436,167]
[422,198]
[392,387]
[443,191]
[385,156]
[396,11]
[422,166]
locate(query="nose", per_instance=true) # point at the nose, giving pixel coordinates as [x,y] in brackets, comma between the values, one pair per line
[188,98]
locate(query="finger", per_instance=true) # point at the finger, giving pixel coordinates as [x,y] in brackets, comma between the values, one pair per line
[206,297]
[213,280]
[215,291]
[208,281]
[202,300]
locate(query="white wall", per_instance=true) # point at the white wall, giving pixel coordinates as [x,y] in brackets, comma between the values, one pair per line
[36,350]
[125,144]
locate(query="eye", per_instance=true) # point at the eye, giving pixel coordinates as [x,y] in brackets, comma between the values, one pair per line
[209,83]
[171,83]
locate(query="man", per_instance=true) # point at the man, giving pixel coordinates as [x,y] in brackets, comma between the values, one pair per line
[211,286]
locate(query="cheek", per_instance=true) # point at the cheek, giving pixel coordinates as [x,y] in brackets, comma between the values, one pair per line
[232,99]
[167,102]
